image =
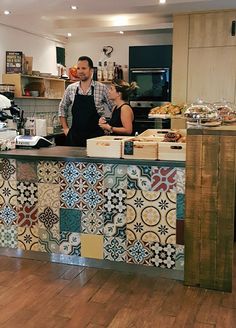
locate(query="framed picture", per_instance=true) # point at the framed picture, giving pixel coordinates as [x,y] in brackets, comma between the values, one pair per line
[14,61]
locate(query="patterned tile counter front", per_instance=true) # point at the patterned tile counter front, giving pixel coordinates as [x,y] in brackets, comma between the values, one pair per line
[111,211]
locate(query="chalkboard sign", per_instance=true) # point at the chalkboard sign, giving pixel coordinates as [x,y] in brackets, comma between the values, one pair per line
[14,61]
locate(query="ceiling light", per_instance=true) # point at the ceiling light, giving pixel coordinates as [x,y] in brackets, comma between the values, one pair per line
[120,21]
[74,7]
[69,34]
[7,12]
[162,1]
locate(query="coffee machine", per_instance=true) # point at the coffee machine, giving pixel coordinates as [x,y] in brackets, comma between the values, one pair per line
[11,116]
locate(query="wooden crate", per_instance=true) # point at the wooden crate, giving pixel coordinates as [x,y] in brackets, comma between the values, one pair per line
[105,146]
[155,133]
[174,151]
[140,148]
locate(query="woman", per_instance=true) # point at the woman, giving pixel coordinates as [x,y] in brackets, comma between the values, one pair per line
[121,122]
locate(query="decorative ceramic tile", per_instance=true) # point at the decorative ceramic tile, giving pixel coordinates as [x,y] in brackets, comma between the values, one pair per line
[27,193]
[48,172]
[8,192]
[8,215]
[92,222]
[70,220]
[8,169]
[49,196]
[115,201]
[69,198]
[70,243]
[164,179]
[28,238]
[180,232]
[180,206]
[8,236]
[115,225]
[115,249]
[91,246]
[92,200]
[93,174]
[27,216]
[115,176]
[139,177]
[180,178]
[164,255]
[151,216]
[48,241]
[139,252]
[26,171]
[69,171]
[179,261]
[48,218]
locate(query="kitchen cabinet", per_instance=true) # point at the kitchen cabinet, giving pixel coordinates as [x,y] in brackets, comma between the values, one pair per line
[211,74]
[48,87]
[204,57]
[211,29]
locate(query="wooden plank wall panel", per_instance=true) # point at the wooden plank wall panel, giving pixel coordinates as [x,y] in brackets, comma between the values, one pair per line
[226,208]
[209,215]
[192,210]
[210,202]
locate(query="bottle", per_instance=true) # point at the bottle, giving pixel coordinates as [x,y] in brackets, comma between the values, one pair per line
[110,71]
[116,71]
[120,73]
[105,72]
[99,71]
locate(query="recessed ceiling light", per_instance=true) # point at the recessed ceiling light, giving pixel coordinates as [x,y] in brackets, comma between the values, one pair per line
[7,12]
[74,7]
[162,1]
[69,34]
[120,21]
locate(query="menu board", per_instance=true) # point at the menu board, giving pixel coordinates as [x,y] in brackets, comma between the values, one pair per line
[14,61]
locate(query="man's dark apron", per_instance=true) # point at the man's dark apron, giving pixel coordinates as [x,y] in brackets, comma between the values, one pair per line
[84,120]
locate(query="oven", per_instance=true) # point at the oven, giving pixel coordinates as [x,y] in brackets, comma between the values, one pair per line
[153,90]
[141,110]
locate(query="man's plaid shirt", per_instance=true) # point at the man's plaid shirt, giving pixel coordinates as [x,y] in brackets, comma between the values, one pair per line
[100,98]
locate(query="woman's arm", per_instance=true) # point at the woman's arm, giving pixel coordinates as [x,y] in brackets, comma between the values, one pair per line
[127,118]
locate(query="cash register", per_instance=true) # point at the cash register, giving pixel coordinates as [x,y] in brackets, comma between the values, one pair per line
[24,141]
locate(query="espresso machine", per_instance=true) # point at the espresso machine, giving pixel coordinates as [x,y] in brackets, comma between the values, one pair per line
[11,116]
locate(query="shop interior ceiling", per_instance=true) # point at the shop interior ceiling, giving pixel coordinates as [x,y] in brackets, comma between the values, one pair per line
[54,19]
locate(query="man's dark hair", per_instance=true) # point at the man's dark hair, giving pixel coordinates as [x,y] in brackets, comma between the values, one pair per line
[88,59]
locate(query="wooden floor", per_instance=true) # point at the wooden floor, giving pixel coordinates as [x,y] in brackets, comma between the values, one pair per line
[41,294]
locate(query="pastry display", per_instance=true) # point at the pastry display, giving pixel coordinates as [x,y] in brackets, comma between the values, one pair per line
[168,108]
[201,112]
[226,111]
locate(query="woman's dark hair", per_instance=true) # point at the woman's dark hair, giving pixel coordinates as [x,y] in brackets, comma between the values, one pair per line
[88,59]
[125,88]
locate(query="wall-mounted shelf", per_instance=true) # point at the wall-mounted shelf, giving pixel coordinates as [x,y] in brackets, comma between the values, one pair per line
[48,87]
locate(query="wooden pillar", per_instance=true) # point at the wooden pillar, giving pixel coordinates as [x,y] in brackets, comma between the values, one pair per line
[210,203]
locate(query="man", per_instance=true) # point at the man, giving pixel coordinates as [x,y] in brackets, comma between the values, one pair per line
[89,100]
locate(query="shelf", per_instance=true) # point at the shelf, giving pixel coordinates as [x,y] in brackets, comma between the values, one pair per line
[45,85]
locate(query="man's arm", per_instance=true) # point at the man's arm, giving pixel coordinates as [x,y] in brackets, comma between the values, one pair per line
[63,121]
